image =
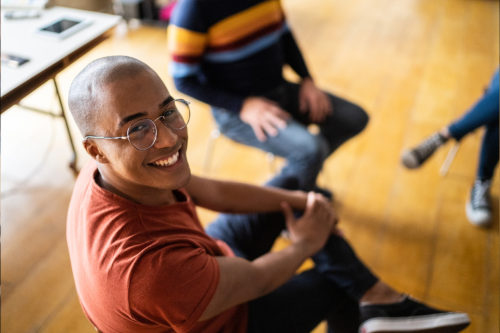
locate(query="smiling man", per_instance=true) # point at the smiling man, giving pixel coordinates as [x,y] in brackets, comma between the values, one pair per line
[142,262]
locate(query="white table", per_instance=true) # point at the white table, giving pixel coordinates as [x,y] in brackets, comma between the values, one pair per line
[47,55]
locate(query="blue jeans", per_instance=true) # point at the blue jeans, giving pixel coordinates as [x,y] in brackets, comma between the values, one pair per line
[483,113]
[303,151]
[330,290]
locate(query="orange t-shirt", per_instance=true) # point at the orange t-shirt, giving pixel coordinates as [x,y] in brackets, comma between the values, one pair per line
[143,268]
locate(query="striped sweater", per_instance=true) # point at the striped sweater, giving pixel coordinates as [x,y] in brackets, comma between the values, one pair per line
[223,51]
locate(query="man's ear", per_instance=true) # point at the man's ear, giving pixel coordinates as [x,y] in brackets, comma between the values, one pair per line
[94,151]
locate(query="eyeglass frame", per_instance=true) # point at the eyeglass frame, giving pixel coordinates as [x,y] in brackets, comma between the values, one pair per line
[127,137]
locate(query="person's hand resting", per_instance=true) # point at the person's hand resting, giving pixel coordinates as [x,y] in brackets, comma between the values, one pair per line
[314,101]
[312,229]
[264,116]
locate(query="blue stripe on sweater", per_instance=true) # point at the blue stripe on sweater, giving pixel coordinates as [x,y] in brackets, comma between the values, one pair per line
[247,50]
[178,69]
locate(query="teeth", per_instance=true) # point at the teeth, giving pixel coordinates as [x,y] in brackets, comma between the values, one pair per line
[167,162]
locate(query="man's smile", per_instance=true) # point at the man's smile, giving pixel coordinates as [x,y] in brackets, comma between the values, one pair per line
[167,161]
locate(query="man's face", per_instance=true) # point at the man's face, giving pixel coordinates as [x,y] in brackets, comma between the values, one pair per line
[163,166]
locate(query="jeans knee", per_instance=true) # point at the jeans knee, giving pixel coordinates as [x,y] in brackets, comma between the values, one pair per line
[312,151]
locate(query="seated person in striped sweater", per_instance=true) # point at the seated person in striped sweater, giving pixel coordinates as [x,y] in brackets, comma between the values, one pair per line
[142,262]
[230,55]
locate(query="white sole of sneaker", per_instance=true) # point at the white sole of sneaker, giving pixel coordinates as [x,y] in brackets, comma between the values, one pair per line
[480,219]
[435,323]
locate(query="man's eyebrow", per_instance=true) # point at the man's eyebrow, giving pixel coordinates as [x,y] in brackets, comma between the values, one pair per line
[167,101]
[125,120]
[131,117]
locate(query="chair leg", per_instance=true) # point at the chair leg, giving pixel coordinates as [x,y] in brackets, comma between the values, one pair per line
[210,150]
[449,158]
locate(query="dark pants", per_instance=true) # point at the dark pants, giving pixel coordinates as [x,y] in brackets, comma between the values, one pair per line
[303,151]
[483,113]
[330,290]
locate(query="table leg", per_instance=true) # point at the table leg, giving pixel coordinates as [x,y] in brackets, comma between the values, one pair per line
[73,161]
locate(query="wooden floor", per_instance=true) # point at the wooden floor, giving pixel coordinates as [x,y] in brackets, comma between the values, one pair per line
[413,65]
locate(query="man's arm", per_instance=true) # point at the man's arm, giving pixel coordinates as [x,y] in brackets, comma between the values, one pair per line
[311,99]
[293,56]
[241,280]
[234,197]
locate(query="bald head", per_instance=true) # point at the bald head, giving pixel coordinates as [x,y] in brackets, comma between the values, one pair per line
[88,87]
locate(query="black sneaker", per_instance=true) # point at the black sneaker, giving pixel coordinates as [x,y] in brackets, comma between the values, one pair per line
[416,156]
[410,316]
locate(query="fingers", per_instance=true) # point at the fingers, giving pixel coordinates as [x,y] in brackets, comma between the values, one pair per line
[287,211]
[272,120]
[315,206]
[267,127]
[322,107]
[277,117]
[316,102]
[315,105]
[311,200]
[264,116]
[318,208]
[259,132]
[303,107]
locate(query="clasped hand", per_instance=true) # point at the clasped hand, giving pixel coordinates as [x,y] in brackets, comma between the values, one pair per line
[315,226]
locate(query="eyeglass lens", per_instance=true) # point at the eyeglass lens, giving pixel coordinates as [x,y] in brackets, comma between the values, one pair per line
[142,134]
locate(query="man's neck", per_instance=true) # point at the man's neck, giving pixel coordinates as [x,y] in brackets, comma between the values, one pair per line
[145,196]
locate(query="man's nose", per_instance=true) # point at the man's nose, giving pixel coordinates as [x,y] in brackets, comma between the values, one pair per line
[167,137]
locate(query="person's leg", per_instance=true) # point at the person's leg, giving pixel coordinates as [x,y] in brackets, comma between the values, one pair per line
[346,121]
[249,236]
[478,207]
[305,300]
[301,304]
[488,157]
[483,113]
[338,262]
[303,151]
[336,268]
[382,309]
[252,235]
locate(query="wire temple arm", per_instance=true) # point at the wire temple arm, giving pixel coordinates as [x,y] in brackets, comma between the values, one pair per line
[105,137]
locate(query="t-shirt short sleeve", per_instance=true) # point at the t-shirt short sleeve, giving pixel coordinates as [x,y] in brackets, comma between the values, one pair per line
[173,285]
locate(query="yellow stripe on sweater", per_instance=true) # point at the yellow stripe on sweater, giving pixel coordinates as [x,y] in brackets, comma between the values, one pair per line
[185,42]
[245,23]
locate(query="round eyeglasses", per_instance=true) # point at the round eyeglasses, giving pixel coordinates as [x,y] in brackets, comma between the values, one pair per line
[142,134]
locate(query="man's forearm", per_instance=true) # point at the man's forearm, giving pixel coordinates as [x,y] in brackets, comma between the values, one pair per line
[234,197]
[293,56]
[280,266]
